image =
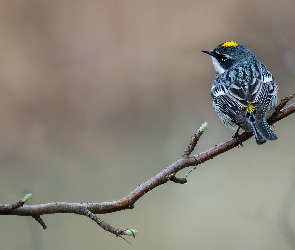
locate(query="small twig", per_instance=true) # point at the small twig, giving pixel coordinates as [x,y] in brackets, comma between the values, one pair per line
[281,105]
[175,179]
[194,140]
[7,208]
[40,221]
[99,222]
[194,168]
[108,227]
[189,149]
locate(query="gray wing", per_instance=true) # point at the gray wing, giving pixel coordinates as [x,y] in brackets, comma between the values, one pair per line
[230,110]
[231,102]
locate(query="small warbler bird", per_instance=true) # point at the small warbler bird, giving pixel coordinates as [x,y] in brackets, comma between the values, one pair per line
[244,92]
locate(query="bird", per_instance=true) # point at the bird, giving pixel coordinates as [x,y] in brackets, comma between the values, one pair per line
[244,92]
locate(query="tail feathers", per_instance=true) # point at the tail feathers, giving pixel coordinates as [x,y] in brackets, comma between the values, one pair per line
[266,131]
[260,139]
[263,132]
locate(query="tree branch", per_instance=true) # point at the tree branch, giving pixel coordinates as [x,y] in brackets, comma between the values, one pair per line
[168,174]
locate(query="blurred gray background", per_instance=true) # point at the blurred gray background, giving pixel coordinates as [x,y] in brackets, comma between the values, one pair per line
[97,97]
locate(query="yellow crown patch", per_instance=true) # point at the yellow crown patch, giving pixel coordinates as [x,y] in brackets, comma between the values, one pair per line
[250,108]
[229,44]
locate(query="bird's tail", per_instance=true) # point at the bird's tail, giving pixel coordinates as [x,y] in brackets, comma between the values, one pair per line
[262,132]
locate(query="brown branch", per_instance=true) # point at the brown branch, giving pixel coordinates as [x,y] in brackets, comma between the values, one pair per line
[194,140]
[4,209]
[168,174]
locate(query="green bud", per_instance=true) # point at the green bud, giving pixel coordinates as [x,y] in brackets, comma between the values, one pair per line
[203,127]
[26,198]
[130,232]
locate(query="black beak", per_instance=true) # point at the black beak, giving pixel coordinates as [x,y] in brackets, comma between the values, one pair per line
[209,52]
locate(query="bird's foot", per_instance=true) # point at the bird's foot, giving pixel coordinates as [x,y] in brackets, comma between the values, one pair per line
[237,136]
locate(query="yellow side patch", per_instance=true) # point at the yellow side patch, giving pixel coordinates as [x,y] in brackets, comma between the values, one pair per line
[250,108]
[229,44]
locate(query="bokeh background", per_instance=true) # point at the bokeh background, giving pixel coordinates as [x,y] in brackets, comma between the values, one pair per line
[97,97]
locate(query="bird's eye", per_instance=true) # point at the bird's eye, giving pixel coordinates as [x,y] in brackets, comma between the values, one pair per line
[224,58]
